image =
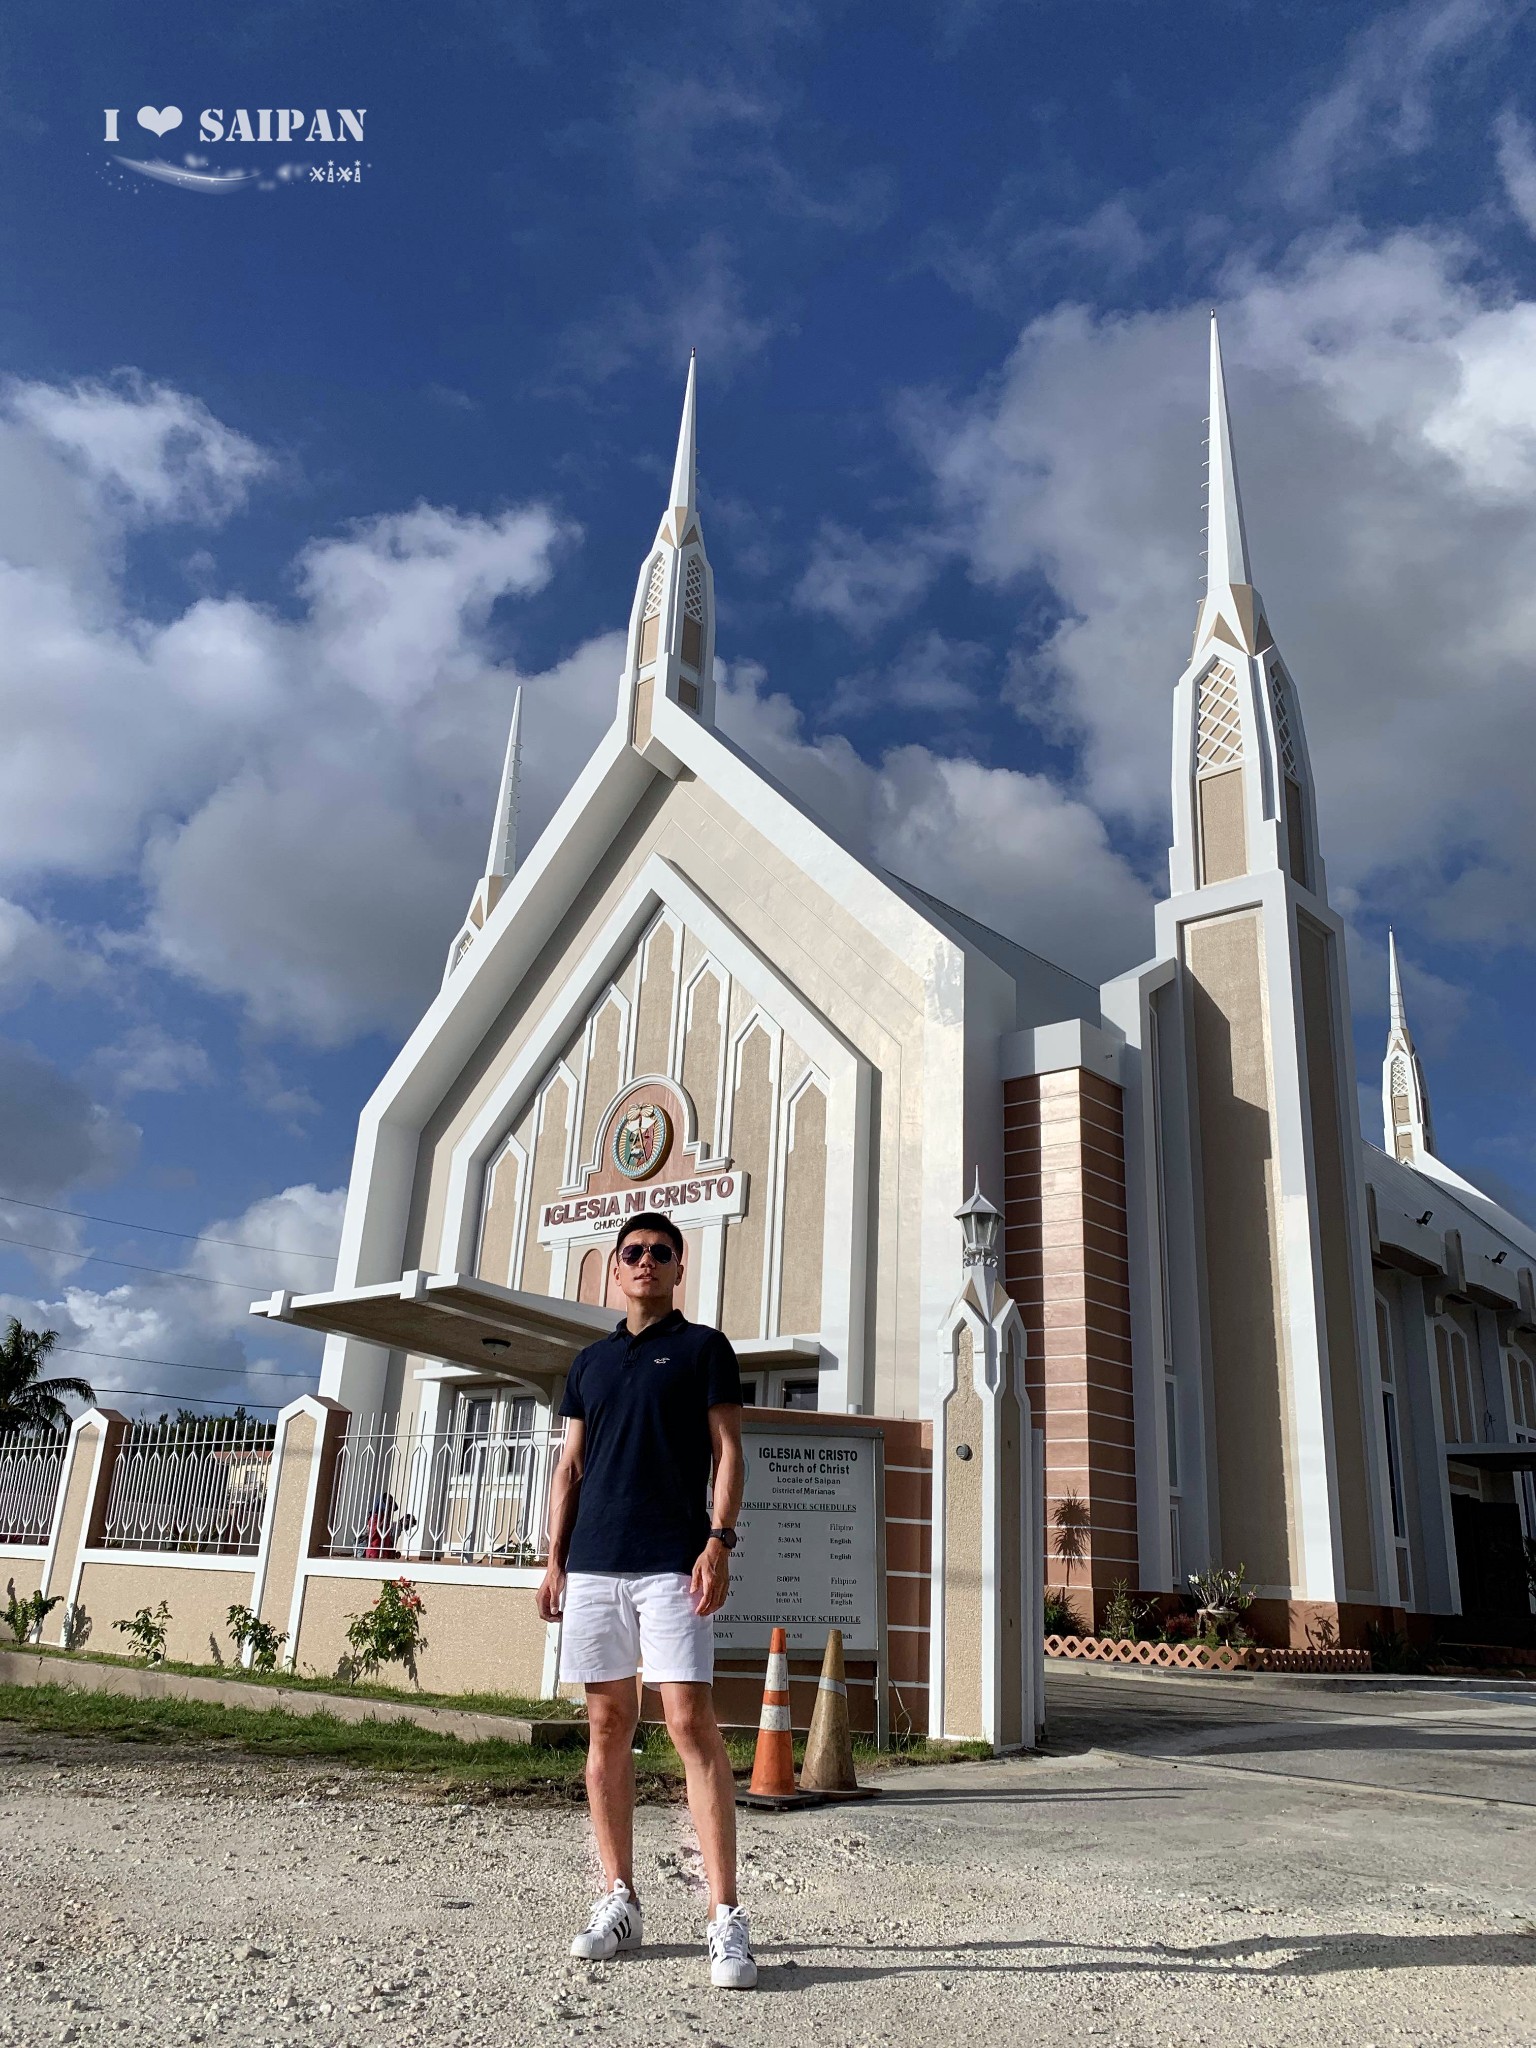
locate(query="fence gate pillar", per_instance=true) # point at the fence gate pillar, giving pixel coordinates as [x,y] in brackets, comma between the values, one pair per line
[308,1442]
[985,1646]
[80,1512]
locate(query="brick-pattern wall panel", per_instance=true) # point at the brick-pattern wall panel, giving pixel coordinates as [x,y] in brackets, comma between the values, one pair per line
[1065,1266]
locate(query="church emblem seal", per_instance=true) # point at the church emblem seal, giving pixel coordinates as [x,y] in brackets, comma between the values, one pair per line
[640,1143]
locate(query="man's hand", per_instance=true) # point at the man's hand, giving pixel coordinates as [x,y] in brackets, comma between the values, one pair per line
[711,1578]
[550,1598]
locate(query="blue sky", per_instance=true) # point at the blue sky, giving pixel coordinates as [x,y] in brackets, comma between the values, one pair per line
[297,481]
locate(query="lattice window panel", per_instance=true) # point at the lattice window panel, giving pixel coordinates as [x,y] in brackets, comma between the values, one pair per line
[654,588]
[1278,697]
[1399,1079]
[693,590]
[1219,728]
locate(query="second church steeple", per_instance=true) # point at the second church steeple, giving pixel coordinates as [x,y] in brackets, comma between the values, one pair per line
[671,647]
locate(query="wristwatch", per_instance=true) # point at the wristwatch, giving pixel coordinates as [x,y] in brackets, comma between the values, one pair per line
[726,1538]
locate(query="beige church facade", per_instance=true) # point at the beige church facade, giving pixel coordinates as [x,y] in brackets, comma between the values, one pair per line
[1231,1325]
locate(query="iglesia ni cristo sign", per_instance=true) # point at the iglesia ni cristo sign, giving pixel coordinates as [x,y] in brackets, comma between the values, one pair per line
[708,1198]
[808,1542]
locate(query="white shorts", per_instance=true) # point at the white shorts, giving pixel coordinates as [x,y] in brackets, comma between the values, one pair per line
[617,1624]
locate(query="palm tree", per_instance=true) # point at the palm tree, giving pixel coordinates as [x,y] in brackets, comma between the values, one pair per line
[27,1401]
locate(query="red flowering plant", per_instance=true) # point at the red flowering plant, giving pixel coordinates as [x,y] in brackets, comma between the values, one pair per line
[389,1632]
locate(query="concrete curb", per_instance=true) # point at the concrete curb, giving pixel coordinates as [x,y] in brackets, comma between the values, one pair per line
[23,1667]
[1302,1681]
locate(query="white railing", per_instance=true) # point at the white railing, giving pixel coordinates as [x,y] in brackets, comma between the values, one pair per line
[435,1494]
[30,1470]
[190,1488]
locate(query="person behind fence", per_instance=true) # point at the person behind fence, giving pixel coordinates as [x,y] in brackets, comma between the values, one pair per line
[637,1571]
[386,1525]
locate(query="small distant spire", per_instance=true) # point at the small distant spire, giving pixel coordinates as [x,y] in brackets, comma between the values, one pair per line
[1409,1126]
[1227,541]
[502,858]
[1399,1017]
[685,468]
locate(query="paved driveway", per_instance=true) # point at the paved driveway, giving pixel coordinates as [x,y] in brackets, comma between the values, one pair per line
[1196,1860]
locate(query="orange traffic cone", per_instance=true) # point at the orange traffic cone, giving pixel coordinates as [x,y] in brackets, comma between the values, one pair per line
[829,1745]
[773,1764]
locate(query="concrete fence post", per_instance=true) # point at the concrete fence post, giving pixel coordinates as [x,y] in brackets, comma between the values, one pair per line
[309,1437]
[80,1512]
[985,1649]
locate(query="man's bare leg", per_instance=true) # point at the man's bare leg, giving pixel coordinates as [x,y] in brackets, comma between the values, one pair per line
[695,1733]
[612,1711]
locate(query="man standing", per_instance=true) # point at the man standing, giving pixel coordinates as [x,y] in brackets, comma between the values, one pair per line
[638,1573]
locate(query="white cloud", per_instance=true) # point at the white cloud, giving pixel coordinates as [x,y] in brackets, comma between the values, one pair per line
[52,1134]
[1517,165]
[1385,420]
[1012,850]
[695,298]
[152,452]
[930,673]
[35,954]
[303,799]
[864,583]
[136,1335]
[1381,105]
[148,1060]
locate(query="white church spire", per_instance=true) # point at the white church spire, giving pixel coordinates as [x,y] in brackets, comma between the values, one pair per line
[1407,1126]
[1242,786]
[501,857]
[685,467]
[671,650]
[1227,540]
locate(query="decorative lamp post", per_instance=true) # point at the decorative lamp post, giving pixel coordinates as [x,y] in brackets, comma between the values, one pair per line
[982,1225]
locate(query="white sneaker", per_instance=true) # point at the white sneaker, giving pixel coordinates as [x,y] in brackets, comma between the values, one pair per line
[616,1924]
[731,1967]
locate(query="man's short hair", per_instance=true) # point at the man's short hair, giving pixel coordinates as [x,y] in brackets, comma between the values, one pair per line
[648,1219]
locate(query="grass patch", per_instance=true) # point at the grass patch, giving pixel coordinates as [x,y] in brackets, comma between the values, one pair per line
[490,1769]
[290,1681]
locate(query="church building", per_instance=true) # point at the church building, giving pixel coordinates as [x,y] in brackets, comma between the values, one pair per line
[1244,1335]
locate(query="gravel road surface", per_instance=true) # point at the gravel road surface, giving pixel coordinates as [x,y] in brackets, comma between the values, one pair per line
[1194,1862]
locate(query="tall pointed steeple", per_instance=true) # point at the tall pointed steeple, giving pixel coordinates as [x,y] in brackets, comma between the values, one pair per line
[501,856]
[1242,785]
[1227,540]
[1256,1054]
[685,466]
[671,650]
[1408,1128]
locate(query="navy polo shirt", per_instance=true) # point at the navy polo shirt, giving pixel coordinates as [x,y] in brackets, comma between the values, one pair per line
[645,1475]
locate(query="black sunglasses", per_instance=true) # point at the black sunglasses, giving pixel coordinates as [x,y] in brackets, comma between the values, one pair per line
[632,1254]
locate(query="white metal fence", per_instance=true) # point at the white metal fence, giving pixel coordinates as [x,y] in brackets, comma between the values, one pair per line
[446,1494]
[30,1469]
[190,1488]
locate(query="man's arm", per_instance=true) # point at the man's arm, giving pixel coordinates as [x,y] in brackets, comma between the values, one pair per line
[565,1492]
[712,1572]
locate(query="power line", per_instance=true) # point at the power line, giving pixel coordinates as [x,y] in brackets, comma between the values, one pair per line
[127,1265]
[161,1230]
[187,1400]
[180,1364]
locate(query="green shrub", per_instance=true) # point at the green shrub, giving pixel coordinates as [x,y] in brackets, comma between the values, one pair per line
[147,1632]
[388,1633]
[1125,1619]
[260,1637]
[24,1618]
[1061,1617]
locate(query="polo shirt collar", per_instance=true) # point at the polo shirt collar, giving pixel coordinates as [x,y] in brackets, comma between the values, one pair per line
[671,1321]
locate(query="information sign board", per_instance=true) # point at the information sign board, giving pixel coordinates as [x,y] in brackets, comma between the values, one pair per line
[808,1555]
